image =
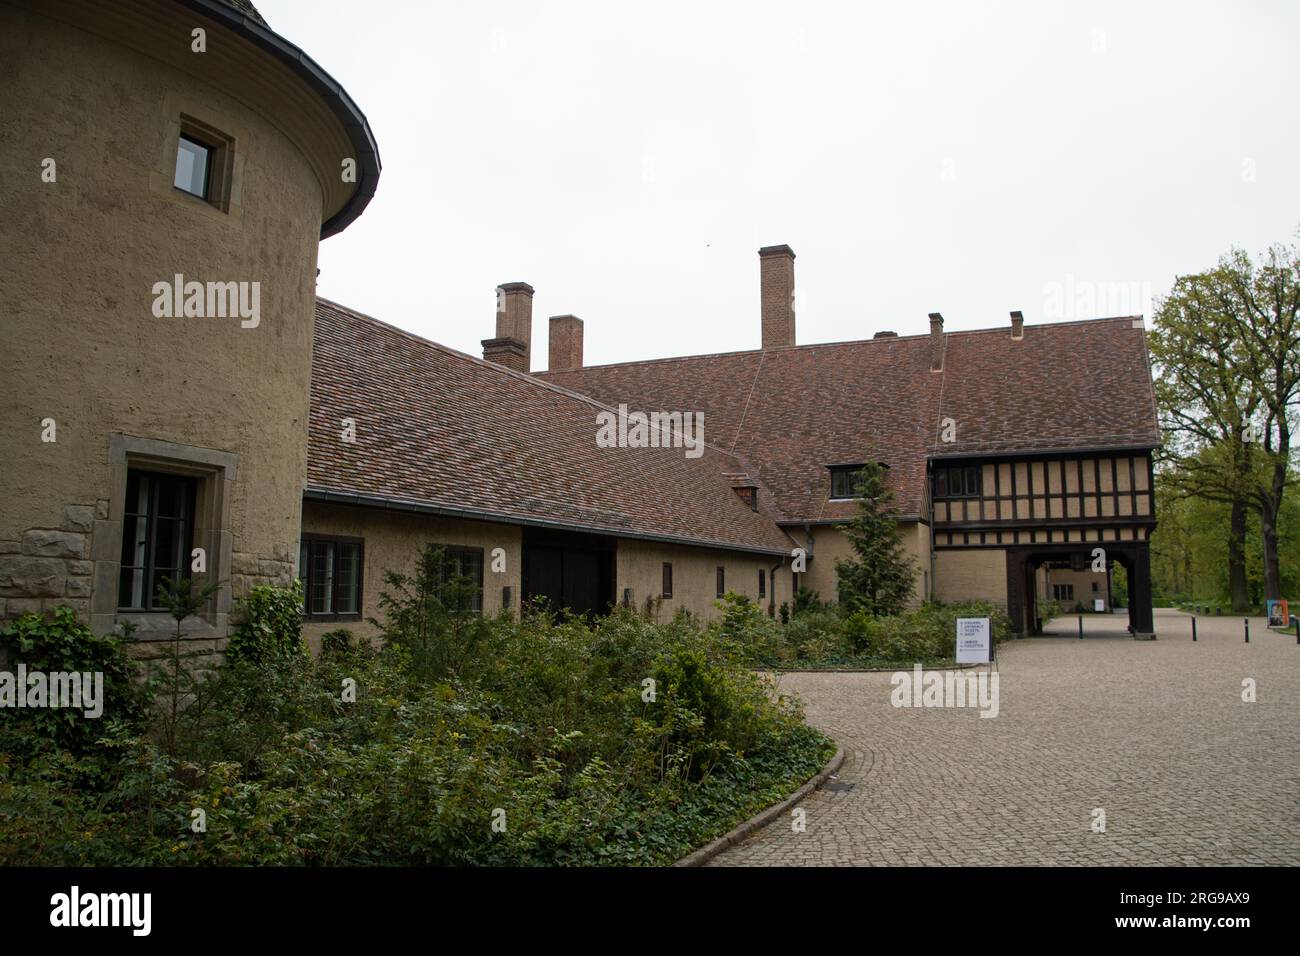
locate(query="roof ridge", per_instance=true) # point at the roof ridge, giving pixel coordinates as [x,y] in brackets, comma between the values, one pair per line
[844,343]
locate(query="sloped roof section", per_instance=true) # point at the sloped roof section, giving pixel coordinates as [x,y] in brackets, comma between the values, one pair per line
[793,412]
[1080,384]
[440,429]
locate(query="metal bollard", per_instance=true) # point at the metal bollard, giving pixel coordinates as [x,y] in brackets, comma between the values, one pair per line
[1194,631]
[1080,627]
[1246,621]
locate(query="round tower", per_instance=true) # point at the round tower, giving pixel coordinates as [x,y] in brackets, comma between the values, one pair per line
[169,167]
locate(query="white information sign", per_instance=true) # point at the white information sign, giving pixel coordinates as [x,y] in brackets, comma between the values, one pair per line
[973,640]
[1098,604]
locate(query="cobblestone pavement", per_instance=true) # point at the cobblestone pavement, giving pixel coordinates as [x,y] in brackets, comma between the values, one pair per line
[1153,732]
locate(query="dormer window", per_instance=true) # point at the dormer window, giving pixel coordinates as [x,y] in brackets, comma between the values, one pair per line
[844,482]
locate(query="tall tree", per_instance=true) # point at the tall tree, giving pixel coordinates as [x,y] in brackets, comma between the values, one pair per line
[1261,305]
[881,578]
[1206,413]
[1227,346]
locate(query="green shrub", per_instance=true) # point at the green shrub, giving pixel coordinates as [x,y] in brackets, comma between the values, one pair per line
[58,642]
[268,625]
[429,615]
[830,636]
[550,721]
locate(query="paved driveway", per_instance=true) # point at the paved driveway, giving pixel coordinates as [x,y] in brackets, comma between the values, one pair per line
[1155,733]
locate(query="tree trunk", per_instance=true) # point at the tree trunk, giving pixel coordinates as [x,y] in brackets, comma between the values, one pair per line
[1237,594]
[1268,532]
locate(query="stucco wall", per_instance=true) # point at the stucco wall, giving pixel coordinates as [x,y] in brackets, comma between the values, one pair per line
[82,346]
[978,574]
[830,545]
[639,565]
[393,542]
[1082,581]
[394,539]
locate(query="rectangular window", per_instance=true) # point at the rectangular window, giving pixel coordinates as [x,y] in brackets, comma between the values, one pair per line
[668,580]
[762,582]
[844,483]
[157,527]
[1063,592]
[330,569]
[204,163]
[722,581]
[958,482]
[193,161]
[465,565]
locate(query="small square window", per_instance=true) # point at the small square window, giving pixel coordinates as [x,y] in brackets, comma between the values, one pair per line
[845,483]
[204,163]
[193,162]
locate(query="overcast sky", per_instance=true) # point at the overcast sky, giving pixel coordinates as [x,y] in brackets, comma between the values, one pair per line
[629,160]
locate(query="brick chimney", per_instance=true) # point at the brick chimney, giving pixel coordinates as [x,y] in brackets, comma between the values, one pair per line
[936,342]
[511,347]
[776,292]
[565,342]
[1017,326]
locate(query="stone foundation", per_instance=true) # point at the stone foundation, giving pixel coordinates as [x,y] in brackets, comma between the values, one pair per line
[47,567]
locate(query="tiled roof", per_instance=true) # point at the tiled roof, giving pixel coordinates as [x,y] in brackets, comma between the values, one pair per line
[246,8]
[791,412]
[1067,385]
[440,429]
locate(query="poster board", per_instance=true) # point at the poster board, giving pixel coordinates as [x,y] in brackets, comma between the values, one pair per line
[974,643]
[1279,614]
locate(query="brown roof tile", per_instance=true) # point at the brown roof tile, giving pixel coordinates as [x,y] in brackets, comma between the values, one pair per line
[441,429]
[791,412]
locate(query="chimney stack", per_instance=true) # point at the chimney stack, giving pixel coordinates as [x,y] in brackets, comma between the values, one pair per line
[936,342]
[776,292]
[1017,326]
[511,347]
[565,343]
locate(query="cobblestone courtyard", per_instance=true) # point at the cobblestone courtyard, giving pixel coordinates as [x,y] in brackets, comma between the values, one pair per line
[1153,732]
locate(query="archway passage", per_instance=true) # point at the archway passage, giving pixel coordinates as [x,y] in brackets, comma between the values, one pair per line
[1023,563]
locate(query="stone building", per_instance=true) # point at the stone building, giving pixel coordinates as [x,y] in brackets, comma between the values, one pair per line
[146,146]
[180,401]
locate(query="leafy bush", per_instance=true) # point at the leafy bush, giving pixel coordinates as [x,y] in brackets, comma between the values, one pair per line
[268,625]
[60,643]
[830,636]
[547,726]
[1047,610]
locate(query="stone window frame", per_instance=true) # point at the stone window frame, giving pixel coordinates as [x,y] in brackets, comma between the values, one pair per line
[215,473]
[183,114]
